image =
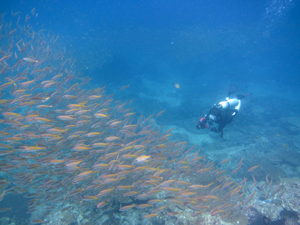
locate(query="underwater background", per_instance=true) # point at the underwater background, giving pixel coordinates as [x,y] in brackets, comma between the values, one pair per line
[163,64]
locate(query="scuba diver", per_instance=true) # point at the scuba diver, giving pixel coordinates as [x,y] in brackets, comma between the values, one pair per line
[223,113]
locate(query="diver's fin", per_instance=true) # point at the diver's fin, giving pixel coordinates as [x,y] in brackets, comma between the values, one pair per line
[232,89]
[243,96]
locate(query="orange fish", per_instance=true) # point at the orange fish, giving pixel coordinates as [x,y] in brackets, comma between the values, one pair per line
[2,195]
[177,85]
[252,168]
[224,161]
[112,138]
[124,208]
[102,204]
[160,113]
[143,158]
[124,87]
[105,192]
[101,115]
[149,216]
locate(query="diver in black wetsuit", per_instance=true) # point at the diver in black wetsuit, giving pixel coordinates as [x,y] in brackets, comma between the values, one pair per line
[223,113]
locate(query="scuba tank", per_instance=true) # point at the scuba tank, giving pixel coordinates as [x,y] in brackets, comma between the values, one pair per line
[232,103]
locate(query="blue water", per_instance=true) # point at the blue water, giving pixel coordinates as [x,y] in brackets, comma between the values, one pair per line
[202,45]
[249,41]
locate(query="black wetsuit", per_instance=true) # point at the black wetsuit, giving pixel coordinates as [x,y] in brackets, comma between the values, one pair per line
[223,117]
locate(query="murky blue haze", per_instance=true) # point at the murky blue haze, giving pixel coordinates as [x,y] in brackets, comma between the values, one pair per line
[202,46]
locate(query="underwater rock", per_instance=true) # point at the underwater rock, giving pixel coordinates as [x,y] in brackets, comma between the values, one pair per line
[290,199]
[290,156]
[290,217]
[68,217]
[268,209]
[274,158]
[6,221]
[291,125]
[186,218]
[285,202]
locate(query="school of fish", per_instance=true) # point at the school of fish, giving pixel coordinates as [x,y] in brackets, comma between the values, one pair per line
[61,143]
